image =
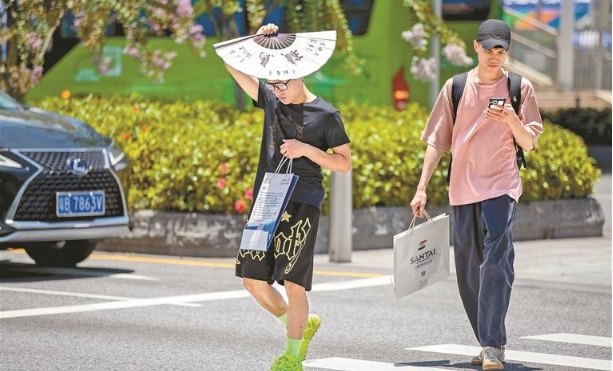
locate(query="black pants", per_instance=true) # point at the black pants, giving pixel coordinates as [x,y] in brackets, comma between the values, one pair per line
[484,255]
[290,256]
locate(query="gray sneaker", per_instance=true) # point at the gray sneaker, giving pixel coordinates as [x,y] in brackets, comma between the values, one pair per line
[478,359]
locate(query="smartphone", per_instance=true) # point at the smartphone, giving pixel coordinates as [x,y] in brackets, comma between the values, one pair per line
[496,103]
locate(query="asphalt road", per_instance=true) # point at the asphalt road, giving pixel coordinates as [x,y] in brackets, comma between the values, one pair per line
[144,312]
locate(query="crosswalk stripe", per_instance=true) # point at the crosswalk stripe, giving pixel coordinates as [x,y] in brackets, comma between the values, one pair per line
[181,299]
[348,364]
[600,341]
[80,272]
[78,295]
[530,357]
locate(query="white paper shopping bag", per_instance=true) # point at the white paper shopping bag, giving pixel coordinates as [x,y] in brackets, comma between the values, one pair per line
[421,255]
[272,199]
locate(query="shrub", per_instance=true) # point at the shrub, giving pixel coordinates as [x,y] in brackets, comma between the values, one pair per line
[593,125]
[202,156]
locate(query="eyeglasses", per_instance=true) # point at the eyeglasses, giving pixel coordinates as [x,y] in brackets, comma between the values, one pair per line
[281,86]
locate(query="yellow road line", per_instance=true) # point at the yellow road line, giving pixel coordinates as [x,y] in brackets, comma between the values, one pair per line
[211,264]
[149,259]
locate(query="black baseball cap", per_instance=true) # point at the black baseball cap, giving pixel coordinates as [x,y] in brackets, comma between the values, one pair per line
[493,33]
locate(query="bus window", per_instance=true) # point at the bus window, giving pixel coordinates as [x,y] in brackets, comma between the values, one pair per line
[207,23]
[277,16]
[357,13]
[465,10]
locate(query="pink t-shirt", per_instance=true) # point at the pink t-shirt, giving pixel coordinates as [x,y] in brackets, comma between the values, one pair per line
[484,164]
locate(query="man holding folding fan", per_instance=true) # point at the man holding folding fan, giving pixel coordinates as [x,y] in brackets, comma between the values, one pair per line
[303,127]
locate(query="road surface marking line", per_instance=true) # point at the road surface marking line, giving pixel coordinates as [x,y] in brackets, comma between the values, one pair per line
[200,263]
[150,259]
[353,284]
[135,303]
[347,364]
[79,295]
[319,272]
[600,341]
[529,357]
[181,299]
[81,272]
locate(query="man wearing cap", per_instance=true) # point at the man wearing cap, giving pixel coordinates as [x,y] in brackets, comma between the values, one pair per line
[484,184]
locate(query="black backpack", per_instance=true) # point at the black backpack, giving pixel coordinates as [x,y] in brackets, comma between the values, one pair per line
[514,84]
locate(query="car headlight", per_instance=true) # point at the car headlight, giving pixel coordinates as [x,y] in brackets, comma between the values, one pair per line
[7,162]
[119,161]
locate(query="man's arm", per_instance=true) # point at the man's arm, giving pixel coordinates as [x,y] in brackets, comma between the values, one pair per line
[339,160]
[431,160]
[248,83]
[523,135]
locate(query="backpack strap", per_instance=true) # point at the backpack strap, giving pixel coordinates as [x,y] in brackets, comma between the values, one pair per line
[457,89]
[514,84]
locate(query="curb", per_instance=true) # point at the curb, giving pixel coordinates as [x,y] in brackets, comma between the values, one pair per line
[218,236]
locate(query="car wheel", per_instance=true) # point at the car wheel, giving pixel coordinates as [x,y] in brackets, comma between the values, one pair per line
[61,253]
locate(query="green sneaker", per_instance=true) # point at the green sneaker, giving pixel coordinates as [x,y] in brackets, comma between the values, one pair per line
[286,362]
[311,328]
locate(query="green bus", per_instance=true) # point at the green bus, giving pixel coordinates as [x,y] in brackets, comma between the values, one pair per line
[376,26]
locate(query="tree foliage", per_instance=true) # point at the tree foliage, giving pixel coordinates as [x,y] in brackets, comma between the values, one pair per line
[30,25]
[27,32]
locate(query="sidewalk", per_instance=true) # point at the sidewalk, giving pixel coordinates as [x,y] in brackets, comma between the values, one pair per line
[577,262]
[572,262]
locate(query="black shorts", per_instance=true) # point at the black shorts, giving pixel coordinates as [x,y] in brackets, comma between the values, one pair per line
[290,254]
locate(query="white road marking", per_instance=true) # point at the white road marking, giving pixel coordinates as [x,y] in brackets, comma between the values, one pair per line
[82,272]
[130,276]
[347,364]
[530,357]
[600,341]
[352,284]
[134,303]
[78,295]
[177,300]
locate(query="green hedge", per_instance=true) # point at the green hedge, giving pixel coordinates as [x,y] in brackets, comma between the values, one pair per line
[202,156]
[593,125]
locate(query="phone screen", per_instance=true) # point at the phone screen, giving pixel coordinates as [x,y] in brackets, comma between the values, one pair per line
[496,102]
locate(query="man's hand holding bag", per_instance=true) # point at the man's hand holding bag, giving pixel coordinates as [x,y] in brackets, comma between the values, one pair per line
[421,255]
[270,203]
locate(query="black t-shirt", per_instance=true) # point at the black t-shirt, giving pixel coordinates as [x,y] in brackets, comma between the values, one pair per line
[317,123]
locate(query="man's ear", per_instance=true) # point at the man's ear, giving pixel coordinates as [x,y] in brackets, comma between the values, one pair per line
[476,45]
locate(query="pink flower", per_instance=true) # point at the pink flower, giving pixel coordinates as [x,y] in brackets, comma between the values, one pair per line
[249,194]
[223,168]
[184,8]
[239,206]
[221,183]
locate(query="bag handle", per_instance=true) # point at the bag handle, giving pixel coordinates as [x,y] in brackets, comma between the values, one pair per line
[284,160]
[412,225]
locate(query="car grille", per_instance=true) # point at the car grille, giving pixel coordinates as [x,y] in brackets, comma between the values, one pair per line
[38,202]
[57,160]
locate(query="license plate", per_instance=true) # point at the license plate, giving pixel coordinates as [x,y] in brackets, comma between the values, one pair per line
[79,203]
